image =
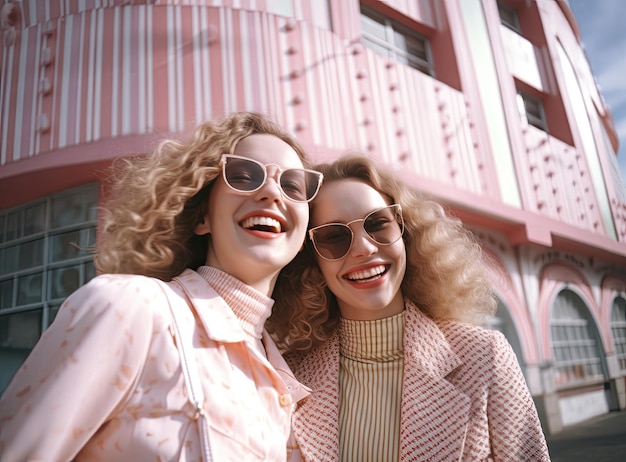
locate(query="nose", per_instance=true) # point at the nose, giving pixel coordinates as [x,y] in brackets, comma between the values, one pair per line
[270,189]
[362,245]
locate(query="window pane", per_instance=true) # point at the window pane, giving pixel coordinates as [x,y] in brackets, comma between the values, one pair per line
[6,293]
[414,46]
[20,330]
[72,244]
[618,329]
[3,220]
[8,259]
[508,17]
[74,208]
[372,27]
[63,281]
[29,289]
[392,39]
[52,313]
[34,218]
[90,271]
[12,226]
[31,254]
[18,334]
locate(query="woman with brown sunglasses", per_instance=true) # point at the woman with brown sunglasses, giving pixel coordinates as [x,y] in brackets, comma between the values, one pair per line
[380,318]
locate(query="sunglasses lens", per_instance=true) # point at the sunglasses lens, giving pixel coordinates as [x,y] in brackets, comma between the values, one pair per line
[332,241]
[383,225]
[244,175]
[298,184]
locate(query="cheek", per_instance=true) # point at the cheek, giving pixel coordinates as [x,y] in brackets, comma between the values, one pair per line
[301,219]
[399,254]
[330,271]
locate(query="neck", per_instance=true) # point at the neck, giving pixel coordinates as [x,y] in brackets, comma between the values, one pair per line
[265,285]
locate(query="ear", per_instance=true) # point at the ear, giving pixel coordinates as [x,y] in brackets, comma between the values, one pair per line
[203,227]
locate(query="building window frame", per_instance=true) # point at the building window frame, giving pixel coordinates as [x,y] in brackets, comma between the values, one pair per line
[575,343]
[618,330]
[509,17]
[531,108]
[396,41]
[45,254]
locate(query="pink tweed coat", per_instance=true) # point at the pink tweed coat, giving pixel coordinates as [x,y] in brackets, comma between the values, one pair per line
[464,398]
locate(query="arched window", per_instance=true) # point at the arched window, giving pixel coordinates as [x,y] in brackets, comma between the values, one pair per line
[576,346]
[618,329]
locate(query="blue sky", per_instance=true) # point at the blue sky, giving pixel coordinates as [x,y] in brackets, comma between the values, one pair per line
[603,32]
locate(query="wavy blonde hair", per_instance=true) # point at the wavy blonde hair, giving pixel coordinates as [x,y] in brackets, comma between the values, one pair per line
[446,274]
[157,200]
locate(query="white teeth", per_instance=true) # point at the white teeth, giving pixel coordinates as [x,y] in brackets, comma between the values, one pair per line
[366,274]
[261,221]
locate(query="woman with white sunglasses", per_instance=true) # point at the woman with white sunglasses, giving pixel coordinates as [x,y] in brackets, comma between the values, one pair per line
[164,356]
[386,335]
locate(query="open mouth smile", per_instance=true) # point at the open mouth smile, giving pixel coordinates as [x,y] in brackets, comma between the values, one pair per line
[262,223]
[367,275]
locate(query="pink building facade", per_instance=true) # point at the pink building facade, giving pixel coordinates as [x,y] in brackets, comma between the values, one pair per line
[488,105]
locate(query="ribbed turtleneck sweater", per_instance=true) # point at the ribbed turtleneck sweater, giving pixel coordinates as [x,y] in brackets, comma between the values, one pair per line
[370,388]
[251,307]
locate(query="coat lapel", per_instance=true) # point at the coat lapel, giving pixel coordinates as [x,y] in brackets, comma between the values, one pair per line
[217,318]
[435,414]
[316,420]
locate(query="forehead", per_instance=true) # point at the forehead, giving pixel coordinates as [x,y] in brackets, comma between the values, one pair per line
[268,149]
[345,200]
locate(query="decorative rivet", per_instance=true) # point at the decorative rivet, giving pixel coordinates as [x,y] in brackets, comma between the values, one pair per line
[44,123]
[45,85]
[48,28]
[290,24]
[46,56]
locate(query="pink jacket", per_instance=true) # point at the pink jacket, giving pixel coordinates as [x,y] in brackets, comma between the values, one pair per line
[104,382]
[464,398]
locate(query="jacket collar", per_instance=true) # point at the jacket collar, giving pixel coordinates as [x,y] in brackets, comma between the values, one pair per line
[216,317]
[221,325]
[434,414]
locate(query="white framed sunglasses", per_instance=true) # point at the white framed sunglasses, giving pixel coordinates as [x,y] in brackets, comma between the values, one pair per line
[246,175]
[333,241]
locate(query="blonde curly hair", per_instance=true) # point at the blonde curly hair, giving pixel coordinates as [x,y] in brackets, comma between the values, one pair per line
[446,274]
[157,200]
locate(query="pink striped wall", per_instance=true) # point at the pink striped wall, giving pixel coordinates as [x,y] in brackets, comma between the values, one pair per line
[132,70]
[86,71]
